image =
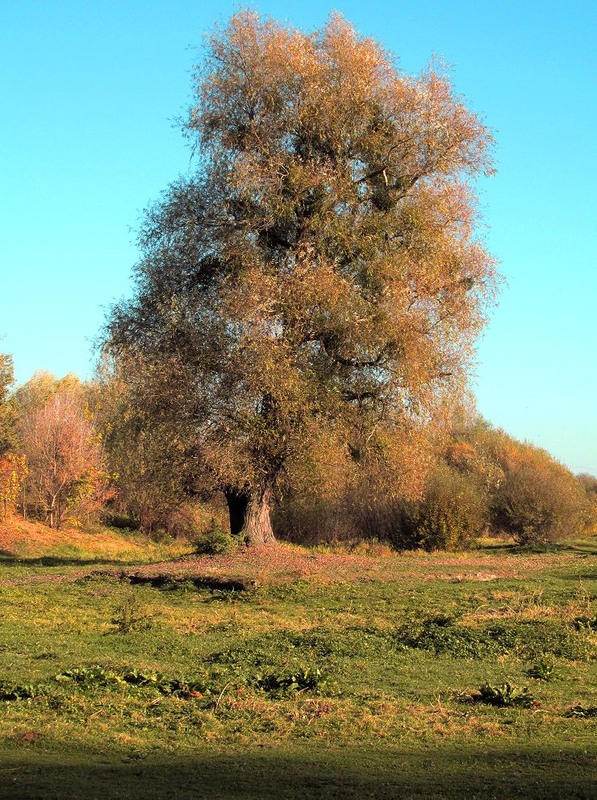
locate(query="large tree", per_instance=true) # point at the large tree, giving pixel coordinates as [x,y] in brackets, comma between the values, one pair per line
[317,281]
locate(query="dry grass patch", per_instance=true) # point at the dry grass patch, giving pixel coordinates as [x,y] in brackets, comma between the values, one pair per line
[24,540]
[285,563]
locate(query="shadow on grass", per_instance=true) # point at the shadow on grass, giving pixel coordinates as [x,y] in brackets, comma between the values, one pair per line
[10,560]
[307,774]
[584,547]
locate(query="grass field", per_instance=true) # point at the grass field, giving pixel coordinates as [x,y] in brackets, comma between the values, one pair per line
[130,671]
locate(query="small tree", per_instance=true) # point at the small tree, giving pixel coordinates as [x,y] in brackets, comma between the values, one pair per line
[539,501]
[147,474]
[6,408]
[142,457]
[452,513]
[319,274]
[589,484]
[63,453]
[527,493]
[534,498]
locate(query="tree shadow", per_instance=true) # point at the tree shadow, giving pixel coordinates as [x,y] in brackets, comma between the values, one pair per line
[315,773]
[172,582]
[10,560]
[497,549]
[584,547]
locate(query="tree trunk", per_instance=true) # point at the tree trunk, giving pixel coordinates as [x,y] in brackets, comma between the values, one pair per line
[250,515]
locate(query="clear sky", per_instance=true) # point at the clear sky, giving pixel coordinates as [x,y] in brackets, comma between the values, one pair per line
[88,96]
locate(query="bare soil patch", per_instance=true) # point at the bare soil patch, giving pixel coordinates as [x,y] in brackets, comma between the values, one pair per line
[283,563]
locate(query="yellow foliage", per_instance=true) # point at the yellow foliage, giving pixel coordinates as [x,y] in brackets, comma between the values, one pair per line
[13,470]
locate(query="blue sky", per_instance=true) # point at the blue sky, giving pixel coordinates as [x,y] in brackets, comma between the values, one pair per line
[89,93]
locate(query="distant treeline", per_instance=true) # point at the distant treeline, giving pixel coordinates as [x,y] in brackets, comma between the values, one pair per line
[73,452]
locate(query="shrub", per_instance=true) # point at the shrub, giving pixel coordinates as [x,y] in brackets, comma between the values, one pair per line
[589,484]
[539,501]
[122,522]
[193,519]
[451,514]
[215,541]
[308,519]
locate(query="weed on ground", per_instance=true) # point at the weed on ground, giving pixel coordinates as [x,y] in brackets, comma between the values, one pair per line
[313,675]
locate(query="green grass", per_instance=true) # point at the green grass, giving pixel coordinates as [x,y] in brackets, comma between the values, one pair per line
[363,682]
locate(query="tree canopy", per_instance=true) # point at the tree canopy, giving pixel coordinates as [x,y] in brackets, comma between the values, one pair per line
[316,285]
[61,447]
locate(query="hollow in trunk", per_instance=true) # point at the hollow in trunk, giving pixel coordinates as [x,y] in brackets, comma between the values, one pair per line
[249,512]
